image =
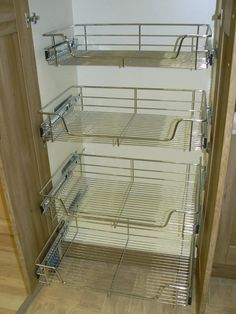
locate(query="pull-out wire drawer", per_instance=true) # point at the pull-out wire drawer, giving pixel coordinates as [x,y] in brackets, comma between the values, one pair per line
[162,196]
[185,46]
[165,118]
[119,261]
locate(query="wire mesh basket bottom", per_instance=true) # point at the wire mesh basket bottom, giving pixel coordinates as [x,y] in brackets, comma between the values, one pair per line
[142,130]
[186,60]
[160,281]
[144,205]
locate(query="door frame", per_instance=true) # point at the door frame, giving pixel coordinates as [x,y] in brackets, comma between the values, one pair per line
[223,98]
[20,94]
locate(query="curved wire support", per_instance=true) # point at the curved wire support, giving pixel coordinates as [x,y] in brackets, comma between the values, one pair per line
[120,221]
[180,40]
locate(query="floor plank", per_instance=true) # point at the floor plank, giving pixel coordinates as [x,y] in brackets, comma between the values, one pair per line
[12,287]
[59,299]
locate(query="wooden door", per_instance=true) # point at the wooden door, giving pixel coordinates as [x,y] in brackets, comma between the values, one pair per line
[223,100]
[23,158]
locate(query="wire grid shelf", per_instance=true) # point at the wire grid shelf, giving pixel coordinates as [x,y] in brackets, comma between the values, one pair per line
[167,118]
[149,45]
[157,195]
[118,261]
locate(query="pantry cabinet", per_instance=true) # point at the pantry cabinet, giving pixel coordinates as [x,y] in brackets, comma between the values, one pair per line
[29,188]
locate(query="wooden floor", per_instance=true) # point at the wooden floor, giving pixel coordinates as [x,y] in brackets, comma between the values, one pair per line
[59,299]
[12,288]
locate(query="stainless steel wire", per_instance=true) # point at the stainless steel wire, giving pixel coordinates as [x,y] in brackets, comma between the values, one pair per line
[143,130]
[160,45]
[130,116]
[157,195]
[123,262]
[146,205]
[185,60]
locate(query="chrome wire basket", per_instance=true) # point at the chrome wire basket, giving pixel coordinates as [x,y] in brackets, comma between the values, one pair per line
[158,195]
[185,46]
[166,118]
[119,261]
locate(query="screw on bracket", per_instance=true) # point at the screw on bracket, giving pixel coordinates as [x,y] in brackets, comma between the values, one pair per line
[218,17]
[31,19]
[211,56]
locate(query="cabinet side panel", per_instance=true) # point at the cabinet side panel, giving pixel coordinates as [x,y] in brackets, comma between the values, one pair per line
[227,232]
[224,104]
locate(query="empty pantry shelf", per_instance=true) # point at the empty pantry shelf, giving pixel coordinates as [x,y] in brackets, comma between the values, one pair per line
[119,261]
[185,46]
[148,194]
[167,118]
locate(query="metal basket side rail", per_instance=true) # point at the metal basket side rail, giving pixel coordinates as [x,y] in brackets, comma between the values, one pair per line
[51,255]
[176,47]
[76,95]
[71,46]
[77,159]
[57,180]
